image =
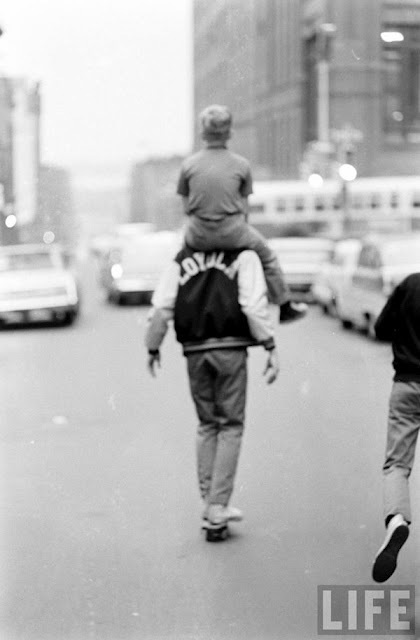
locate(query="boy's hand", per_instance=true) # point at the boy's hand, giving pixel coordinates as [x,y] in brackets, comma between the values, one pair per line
[153,362]
[272,368]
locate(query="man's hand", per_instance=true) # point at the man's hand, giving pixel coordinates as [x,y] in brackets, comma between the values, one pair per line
[272,368]
[153,362]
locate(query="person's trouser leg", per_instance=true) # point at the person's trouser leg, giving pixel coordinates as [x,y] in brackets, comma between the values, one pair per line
[278,290]
[230,399]
[202,384]
[403,427]
[218,386]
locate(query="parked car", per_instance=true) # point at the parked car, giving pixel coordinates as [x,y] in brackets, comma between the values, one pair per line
[335,273]
[36,284]
[101,245]
[382,263]
[300,259]
[133,269]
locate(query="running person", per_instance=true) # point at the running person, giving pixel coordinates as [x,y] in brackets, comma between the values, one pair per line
[399,322]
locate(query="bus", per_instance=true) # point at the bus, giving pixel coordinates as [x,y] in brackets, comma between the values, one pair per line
[294,207]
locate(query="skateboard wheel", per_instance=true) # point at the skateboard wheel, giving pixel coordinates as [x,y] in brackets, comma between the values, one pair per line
[217,535]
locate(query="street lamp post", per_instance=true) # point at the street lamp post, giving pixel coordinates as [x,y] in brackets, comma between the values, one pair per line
[347,173]
[325,33]
[345,140]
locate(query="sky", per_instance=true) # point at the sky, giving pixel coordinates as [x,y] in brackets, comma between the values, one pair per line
[116,76]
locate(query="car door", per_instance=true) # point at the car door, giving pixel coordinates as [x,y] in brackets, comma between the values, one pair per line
[366,284]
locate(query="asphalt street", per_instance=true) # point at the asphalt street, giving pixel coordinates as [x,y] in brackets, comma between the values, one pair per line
[100,509]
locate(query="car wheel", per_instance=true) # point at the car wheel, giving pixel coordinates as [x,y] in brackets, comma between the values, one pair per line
[58,317]
[332,308]
[346,324]
[114,297]
[69,317]
[65,318]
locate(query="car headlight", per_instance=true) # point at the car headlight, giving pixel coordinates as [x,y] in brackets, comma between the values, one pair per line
[116,271]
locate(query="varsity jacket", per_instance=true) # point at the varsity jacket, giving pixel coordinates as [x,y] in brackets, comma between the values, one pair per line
[216,299]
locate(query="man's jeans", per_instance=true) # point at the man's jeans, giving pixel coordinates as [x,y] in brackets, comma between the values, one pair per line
[403,428]
[218,380]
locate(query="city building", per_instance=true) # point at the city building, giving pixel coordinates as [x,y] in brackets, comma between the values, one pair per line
[56,219]
[314,82]
[19,157]
[101,199]
[153,195]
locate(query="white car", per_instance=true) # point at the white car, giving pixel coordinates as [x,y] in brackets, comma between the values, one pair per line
[300,259]
[382,263]
[101,245]
[35,284]
[334,274]
[133,270]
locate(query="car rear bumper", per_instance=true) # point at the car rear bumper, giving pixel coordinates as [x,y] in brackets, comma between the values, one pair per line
[45,304]
[133,286]
[301,291]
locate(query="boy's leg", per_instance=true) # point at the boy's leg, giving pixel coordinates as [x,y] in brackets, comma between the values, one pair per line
[232,232]
[403,427]
[202,386]
[278,291]
[230,398]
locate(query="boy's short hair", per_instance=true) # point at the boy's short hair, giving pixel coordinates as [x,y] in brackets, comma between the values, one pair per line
[216,121]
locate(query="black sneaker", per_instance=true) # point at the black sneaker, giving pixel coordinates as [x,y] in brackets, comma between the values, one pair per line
[386,559]
[291,311]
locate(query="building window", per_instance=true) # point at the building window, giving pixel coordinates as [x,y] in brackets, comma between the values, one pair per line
[416,200]
[401,84]
[299,203]
[281,205]
[256,208]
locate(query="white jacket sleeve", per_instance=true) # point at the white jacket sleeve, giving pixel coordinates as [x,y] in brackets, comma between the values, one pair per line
[163,303]
[253,297]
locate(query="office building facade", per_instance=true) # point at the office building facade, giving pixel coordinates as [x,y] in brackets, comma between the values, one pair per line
[153,195]
[19,156]
[297,73]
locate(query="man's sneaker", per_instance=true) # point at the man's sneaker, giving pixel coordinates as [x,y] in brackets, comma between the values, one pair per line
[386,559]
[291,311]
[233,514]
[218,515]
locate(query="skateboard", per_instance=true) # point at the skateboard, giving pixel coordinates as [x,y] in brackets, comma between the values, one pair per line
[215,533]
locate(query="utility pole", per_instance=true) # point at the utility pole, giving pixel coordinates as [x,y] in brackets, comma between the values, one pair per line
[317,155]
[325,33]
[346,139]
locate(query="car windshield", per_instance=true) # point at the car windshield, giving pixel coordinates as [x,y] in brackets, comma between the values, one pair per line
[298,253]
[26,261]
[402,253]
[302,256]
[146,257]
